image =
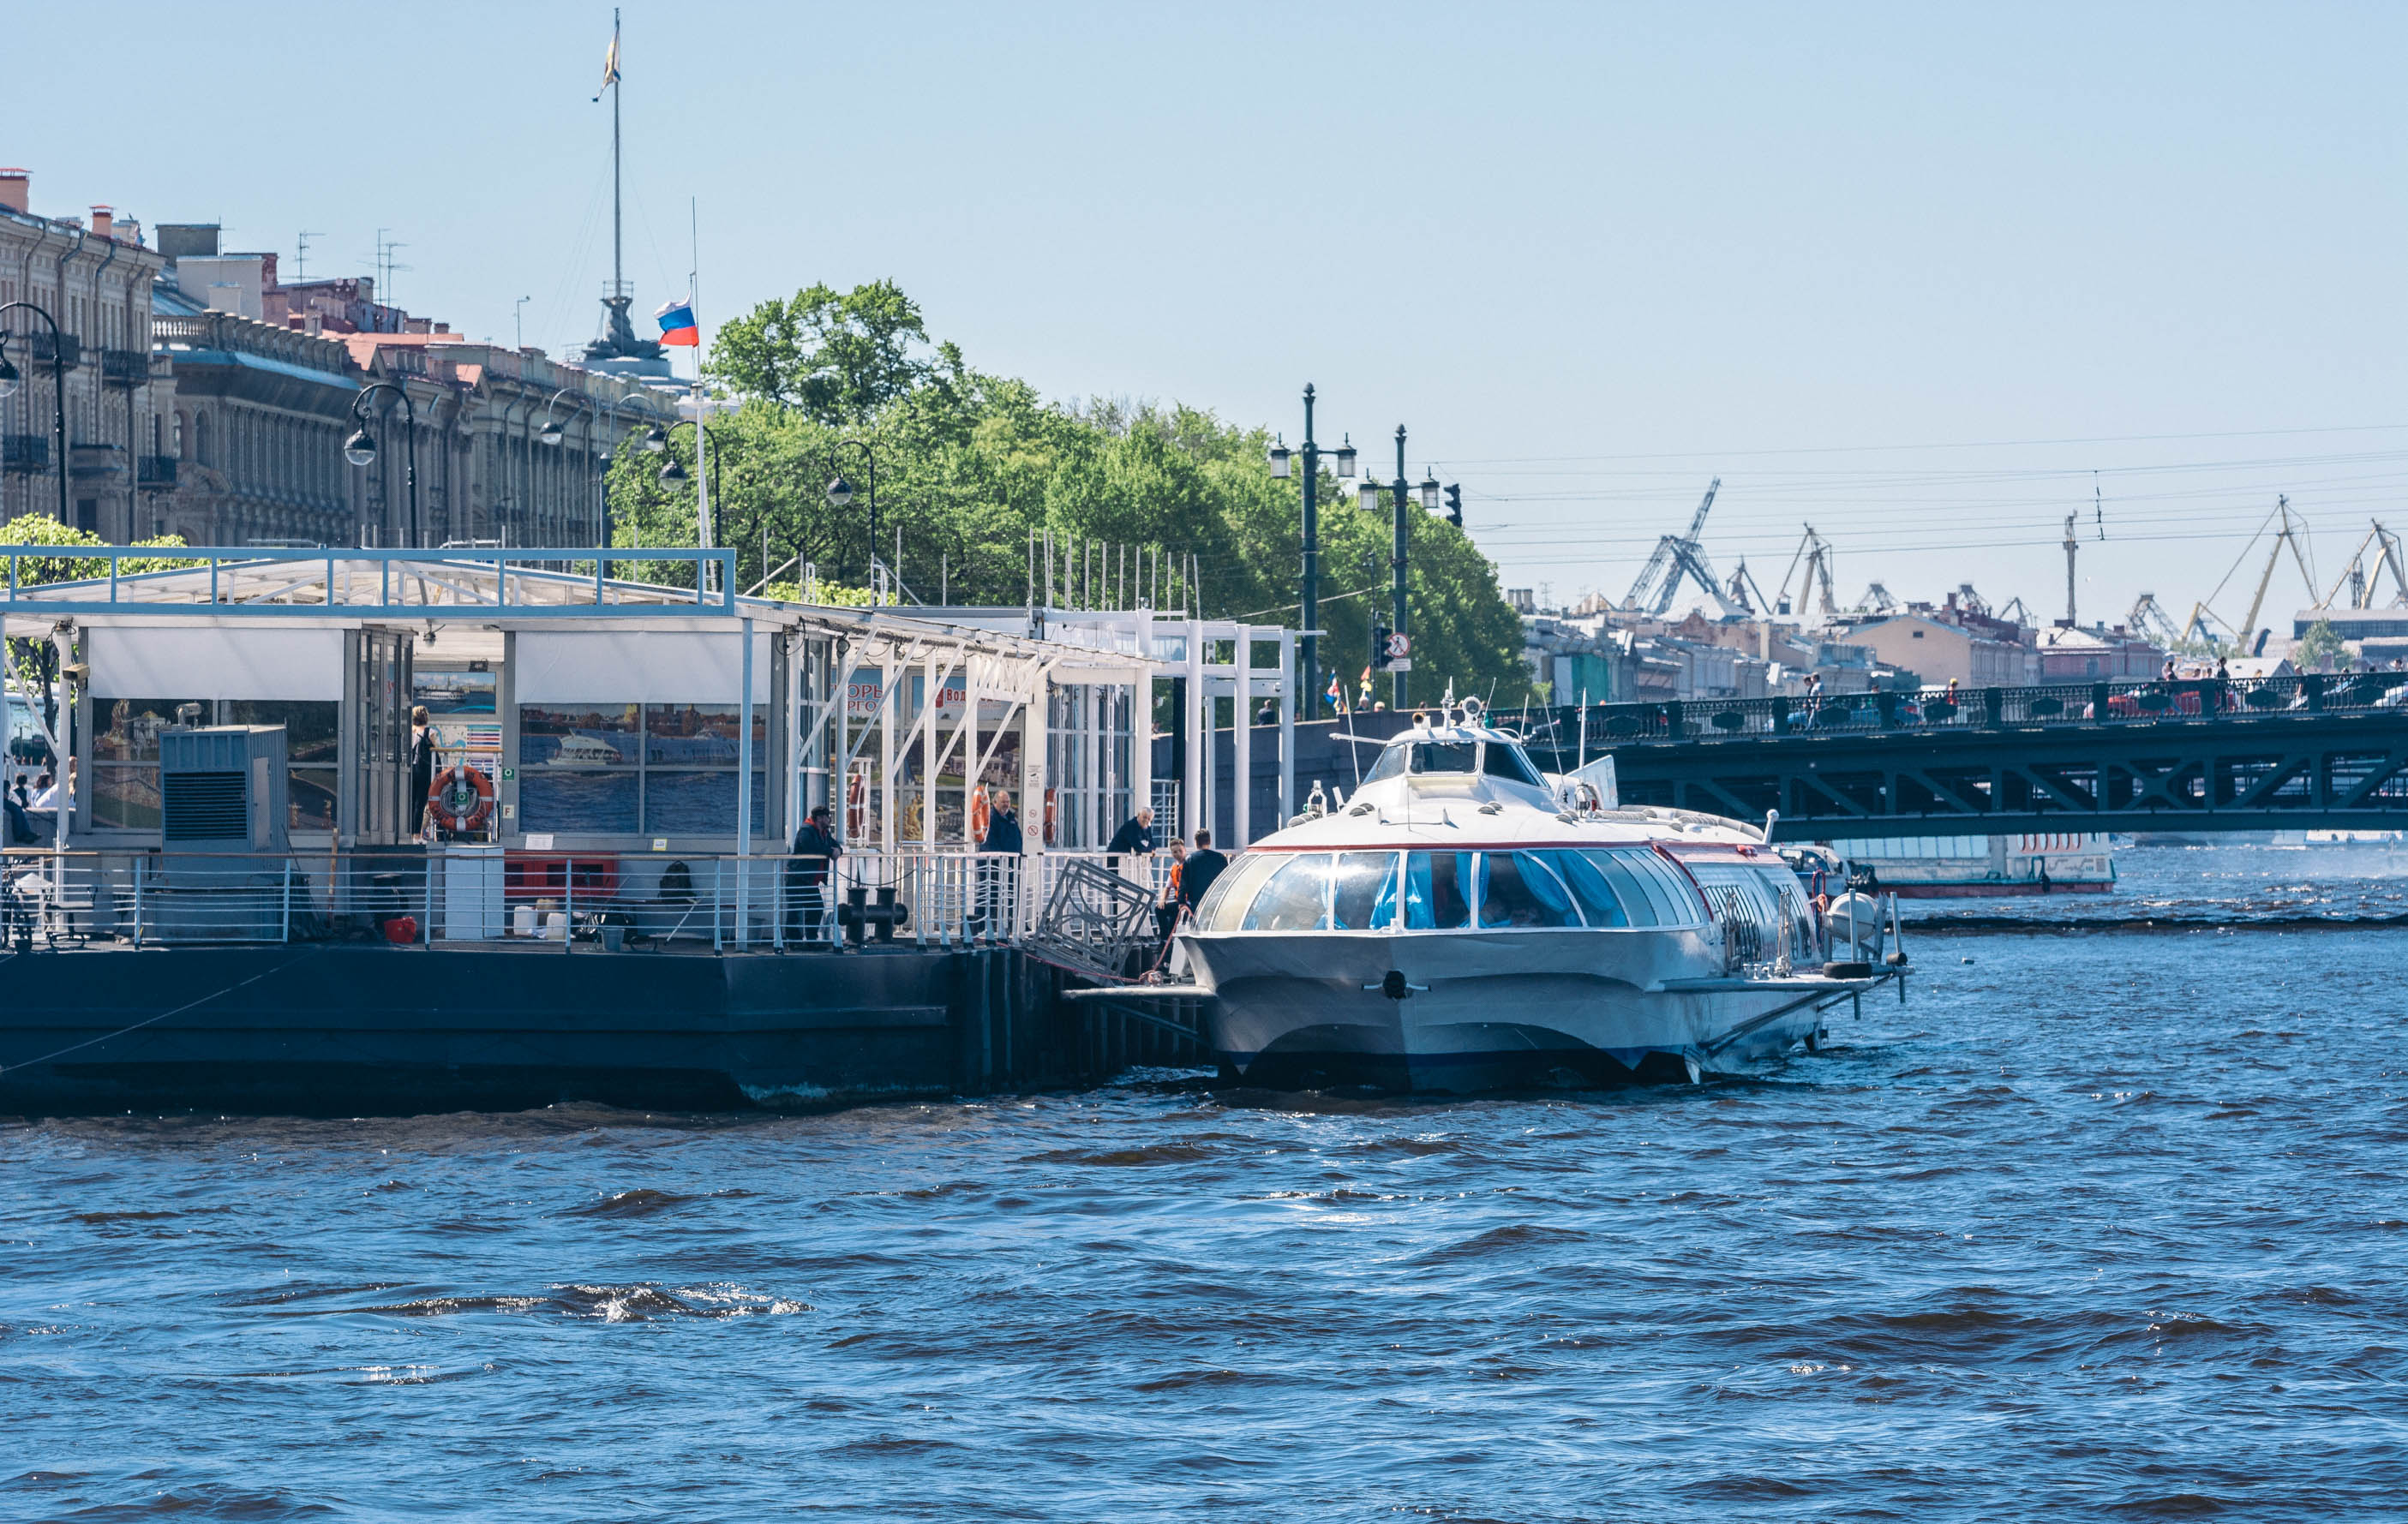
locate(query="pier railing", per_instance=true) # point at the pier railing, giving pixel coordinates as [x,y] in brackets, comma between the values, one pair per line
[2125,702]
[570,901]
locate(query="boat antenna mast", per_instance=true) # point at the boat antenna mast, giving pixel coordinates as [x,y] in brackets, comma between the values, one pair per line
[618,340]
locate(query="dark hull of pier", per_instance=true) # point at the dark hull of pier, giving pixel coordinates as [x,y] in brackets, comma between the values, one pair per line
[356,1031]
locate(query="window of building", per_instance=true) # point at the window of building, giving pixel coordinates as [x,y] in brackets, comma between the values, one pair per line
[624,769]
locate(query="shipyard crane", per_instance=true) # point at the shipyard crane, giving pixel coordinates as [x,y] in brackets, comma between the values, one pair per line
[2361,582]
[1675,557]
[1815,552]
[1877,600]
[1742,585]
[2016,612]
[2252,640]
[2148,619]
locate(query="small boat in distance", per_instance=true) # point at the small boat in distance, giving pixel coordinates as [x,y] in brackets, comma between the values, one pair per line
[1466,922]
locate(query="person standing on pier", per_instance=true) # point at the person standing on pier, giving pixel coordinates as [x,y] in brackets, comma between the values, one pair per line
[1166,914]
[422,768]
[1196,875]
[1134,839]
[998,875]
[816,850]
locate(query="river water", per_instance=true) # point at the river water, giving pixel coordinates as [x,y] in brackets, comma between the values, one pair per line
[2101,1223]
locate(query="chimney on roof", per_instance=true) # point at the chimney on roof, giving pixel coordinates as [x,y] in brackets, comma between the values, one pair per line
[16,190]
[103,221]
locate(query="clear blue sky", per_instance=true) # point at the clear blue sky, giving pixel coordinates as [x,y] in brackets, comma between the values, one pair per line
[1591,255]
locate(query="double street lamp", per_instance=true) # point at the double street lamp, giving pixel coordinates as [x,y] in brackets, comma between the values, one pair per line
[361,448]
[1343,458]
[9,380]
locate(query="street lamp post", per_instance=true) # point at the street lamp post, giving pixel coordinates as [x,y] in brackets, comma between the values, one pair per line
[553,433]
[361,448]
[657,440]
[840,495]
[9,379]
[1401,495]
[1309,609]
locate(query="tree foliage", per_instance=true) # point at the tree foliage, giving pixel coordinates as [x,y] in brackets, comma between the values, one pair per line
[972,470]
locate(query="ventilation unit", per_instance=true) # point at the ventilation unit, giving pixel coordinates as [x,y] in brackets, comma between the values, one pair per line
[223,789]
[224,875]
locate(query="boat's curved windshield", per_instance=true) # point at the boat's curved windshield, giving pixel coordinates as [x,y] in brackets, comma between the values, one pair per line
[1382,890]
[1497,759]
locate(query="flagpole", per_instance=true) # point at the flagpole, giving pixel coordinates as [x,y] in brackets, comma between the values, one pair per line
[618,236]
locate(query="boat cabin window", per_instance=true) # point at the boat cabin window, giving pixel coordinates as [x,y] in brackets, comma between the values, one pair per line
[1500,759]
[1437,890]
[1230,893]
[1295,899]
[1426,757]
[1519,889]
[1362,892]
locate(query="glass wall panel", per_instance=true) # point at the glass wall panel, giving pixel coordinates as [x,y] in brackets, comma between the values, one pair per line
[1294,900]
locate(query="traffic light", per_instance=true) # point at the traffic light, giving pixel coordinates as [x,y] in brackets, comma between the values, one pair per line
[1455,504]
[1378,648]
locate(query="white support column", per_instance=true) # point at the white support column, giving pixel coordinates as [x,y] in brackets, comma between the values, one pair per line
[887,711]
[1191,806]
[932,691]
[743,794]
[1287,697]
[1241,734]
[970,753]
[1142,738]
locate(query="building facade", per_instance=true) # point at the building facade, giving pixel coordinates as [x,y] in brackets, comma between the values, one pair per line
[94,277]
[265,380]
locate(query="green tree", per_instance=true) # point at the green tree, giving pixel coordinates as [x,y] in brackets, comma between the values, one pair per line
[834,356]
[975,470]
[2321,650]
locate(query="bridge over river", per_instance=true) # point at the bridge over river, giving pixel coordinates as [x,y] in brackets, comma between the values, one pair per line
[2266,754]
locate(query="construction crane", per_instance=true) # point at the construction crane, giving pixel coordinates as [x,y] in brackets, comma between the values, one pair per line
[2148,619]
[2252,640]
[1676,558]
[2015,613]
[1742,585]
[1877,600]
[2361,582]
[1815,551]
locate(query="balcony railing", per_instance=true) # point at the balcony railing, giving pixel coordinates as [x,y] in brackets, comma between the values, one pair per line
[571,902]
[125,367]
[24,453]
[157,471]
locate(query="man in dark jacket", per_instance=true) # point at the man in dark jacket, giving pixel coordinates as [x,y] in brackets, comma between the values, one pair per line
[807,877]
[1135,838]
[1203,865]
[998,875]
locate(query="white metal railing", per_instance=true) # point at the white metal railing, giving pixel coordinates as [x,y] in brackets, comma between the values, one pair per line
[570,900]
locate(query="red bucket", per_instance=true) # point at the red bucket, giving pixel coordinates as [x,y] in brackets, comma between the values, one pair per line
[401,931]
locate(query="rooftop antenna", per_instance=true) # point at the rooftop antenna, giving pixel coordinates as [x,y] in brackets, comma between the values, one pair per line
[301,252]
[2098,506]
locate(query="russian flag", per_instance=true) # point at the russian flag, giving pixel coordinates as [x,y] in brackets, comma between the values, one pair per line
[677,325]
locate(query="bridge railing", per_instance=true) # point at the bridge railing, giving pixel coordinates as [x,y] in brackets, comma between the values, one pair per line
[2127,702]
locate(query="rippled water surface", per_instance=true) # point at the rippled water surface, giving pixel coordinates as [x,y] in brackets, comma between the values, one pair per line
[2103,1224]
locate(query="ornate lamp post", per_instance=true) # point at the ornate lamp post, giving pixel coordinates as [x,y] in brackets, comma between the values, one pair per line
[1309,609]
[361,448]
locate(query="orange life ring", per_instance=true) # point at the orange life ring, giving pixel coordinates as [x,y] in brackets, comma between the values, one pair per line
[461,798]
[978,815]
